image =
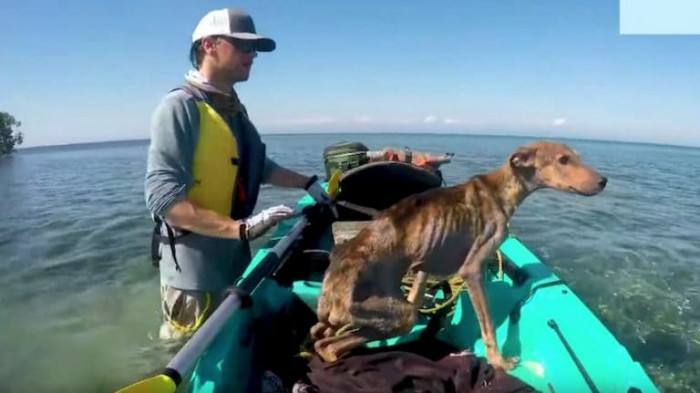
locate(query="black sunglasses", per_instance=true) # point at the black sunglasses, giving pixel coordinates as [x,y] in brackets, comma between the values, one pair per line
[243,46]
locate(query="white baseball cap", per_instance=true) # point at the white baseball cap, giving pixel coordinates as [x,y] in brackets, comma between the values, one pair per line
[232,23]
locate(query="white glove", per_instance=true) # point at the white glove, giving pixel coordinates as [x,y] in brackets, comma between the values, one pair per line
[317,192]
[257,225]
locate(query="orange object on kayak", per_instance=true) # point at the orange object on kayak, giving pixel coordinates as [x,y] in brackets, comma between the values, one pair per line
[419,159]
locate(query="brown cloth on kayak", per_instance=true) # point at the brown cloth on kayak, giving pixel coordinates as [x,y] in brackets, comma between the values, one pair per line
[397,371]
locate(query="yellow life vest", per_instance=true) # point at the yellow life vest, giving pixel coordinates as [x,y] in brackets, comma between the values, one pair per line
[215,164]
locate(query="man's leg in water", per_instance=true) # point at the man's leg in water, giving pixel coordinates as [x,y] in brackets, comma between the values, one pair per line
[184,311]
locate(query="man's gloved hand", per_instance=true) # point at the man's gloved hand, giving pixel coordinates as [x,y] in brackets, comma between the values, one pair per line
[317,192]
[256,226]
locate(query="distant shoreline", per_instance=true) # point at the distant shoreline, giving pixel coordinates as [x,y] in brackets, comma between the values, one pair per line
[118,142]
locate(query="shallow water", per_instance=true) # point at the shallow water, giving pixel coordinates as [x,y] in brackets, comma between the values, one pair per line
[80,299]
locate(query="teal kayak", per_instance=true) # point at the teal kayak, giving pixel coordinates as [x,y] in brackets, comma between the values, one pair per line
[561,344]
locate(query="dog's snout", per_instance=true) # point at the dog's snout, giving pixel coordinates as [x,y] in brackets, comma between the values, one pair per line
[603,181]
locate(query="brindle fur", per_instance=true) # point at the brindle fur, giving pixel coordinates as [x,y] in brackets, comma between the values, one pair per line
[440,232]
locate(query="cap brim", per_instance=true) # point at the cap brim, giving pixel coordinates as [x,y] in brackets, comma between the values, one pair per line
[262,44]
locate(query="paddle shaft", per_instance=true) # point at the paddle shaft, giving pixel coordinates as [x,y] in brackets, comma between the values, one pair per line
[238,298]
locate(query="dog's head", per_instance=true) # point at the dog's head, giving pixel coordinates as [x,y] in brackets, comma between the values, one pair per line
[555,165]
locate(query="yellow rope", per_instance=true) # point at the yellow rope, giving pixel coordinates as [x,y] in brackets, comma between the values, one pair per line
[500,265]
[457,285]
[346,329]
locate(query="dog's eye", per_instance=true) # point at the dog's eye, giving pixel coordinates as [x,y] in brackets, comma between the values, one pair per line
[564,160]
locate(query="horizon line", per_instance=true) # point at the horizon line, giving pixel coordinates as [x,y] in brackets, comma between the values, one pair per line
[306,133]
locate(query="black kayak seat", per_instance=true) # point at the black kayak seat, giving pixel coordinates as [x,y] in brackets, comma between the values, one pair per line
[379,185]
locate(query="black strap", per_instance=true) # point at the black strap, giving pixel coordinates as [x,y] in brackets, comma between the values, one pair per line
[155,243]
[359,208]
[171,240]
[436,319]
[157,238]
[243,232]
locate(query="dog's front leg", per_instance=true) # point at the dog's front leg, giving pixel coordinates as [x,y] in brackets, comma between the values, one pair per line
[418,287]
[471,271]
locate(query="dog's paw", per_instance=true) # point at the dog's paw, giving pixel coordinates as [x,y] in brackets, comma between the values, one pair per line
[317,331]
[328,357]
[505,364]
[325,351]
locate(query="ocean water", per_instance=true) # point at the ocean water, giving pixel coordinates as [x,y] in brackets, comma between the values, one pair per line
[80,307]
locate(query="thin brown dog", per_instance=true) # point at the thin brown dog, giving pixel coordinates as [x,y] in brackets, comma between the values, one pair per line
[440,232]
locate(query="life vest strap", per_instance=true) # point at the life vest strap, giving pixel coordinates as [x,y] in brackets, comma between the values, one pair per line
[242,197]
[157,238]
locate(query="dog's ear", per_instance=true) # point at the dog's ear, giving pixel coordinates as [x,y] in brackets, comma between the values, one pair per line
[524,157]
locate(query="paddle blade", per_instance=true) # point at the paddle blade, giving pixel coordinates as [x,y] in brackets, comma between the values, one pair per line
[334,185]
[158,384]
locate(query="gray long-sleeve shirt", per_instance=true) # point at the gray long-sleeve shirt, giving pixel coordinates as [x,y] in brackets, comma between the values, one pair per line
[207,263]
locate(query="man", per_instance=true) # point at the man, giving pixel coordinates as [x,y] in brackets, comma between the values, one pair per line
[206,163]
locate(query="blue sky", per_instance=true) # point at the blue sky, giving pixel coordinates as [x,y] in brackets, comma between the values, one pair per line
[79,71]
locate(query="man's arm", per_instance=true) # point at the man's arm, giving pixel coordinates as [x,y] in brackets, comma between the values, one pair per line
[280,176]
[173,134]
[186,215]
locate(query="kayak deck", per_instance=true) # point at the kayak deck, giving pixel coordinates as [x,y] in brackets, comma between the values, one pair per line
[524,314]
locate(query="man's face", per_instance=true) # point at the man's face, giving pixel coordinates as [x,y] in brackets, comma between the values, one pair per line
[231,57]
